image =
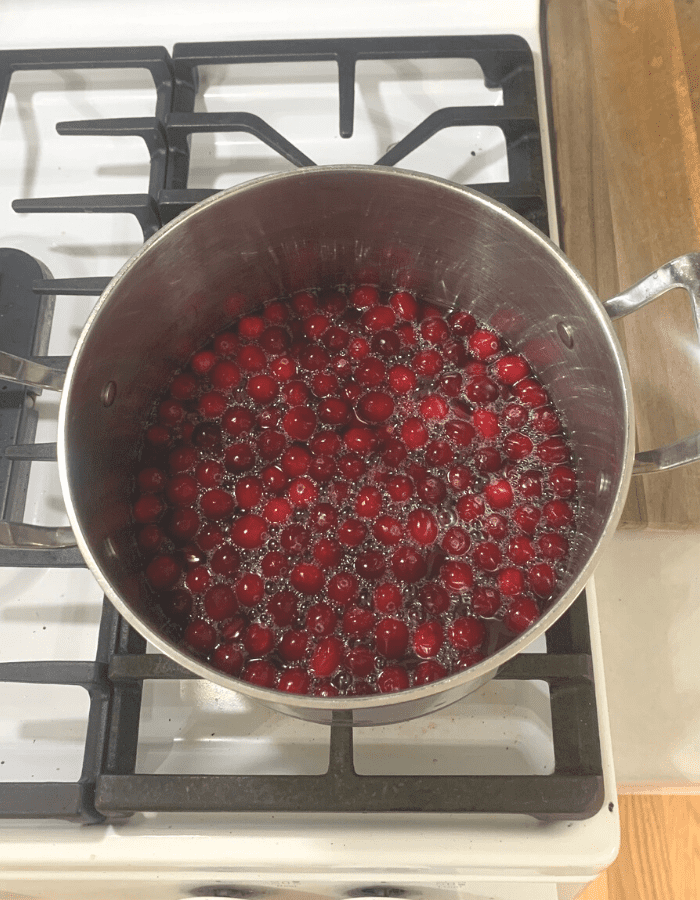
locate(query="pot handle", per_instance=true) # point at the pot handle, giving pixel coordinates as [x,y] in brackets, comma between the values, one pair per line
[30,373]
[682,272]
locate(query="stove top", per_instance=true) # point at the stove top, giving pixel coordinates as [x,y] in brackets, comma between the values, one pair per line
[99,727]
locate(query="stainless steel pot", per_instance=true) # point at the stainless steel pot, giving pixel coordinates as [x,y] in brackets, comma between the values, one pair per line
[322,226]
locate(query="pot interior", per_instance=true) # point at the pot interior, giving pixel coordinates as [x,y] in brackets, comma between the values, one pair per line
[318,228]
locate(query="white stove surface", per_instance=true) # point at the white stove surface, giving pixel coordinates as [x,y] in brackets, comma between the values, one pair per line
[196,727]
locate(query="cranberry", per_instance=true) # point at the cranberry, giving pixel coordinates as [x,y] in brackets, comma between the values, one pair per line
[209,537]
[486,601]
[546,421]
[460,478]
[360,439]
[226,343]
[521,613]
[250,589]
[294,539]
[307,578]
[428,671]
[511,581]
[517,446]
[352,532]
[521,550]
[201,636]
[434,599]
[530,484]
[427,363]
[470,507]
[527,517]
[181,459]
[158,436]
[324,384]
[276,312]
[270,444]
[274,564]
[184,386]
[325,689]
[260,673]
[387,599]
[203,362]
[467,633]
[299,423]
[499,494]
[226,560]
[553,451]
[399,488]
[273,478]
[531,393]
[220,602]
[294,681]
[484,344]
[360,661]
[237,420]
[511,369]
[563,481]
[391,638]
[343,588]
[328,553]
[392,679]
[183,524]
[368,502]
[514,415]
[422,526]
[408,565]
[370,565]
[487,556]
[404,305]
[456,541]
[198,579]
[152,480]
[375,407]
[468,659]
[228,658]
[460,432]
[282,608]
[163,572]
[394,452]
[377,318]
[488,459]
[358,348]
[364,296]
[456,576]
[542,580]
[148,509]
[432,490]
[320,620]
[322,517]
[496,526]
[249,531]
[402,380]
[481,390]
[212,404]
[427,639]
[150,538]
[326,657]
[386,343]
[558,513]
[275,339]
[170,412]
[553,546]
[209,473]
[258,640]
[294,645]
[283,368]
[462,323]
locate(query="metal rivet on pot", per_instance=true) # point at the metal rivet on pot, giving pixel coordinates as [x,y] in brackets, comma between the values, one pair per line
[109,392]
[566,334]
[603,484]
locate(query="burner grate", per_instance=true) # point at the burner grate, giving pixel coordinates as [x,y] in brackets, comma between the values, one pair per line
[108,788]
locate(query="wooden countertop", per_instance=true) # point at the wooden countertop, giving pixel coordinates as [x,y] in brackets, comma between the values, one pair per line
[625,82]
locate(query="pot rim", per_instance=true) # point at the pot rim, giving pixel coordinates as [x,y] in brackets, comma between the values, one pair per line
[476,673]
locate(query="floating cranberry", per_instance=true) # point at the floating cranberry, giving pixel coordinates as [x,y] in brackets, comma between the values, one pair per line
[220,602]
[368,502]
[158,436]
[184,386]
[249,531]
[530,484]
[163,572]
[226,561]
[391,638]
[294,681]
[487,556]
[364,297]
[422,526]
[228,658]
[486,423]
[514,415]
[299,423]
[181,459]
[370,565]
[238,420]
[198,579]
[260,673]
[360,439]
[402,380]
[517,446]
[307,578]
[481,390]
[455,541]
[527,517]
[275,339]
[521,613]
[484,344]
[553,451]
[467,633]
[521,550]
[427,363]
[270,444]
[386,343]
[462,323]
[531,393]
[282,608]
[326,657]
[511,369]
[284,368]
[432,490]
[226,343]
[358,348]
[320,620]
[456,576]
[499,494]
[428,671]
[150,538]
[203,362]
[200,636]
[553,546]
[511,581]
[148,509]
[542,580]
[563,481]
[470,507]
[250,589]
[408,565]
[294,645]
[460,432]
[496,526]
[404,305]
[183,524]
[399,488]
[486,601]
[427,639]
[375,407]
[546,421]
[360,661]
[558,513]
[488,459]
[258,640]
[460,478]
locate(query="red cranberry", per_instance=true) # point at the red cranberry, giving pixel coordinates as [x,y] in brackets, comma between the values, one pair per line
[467,633]
[517,446]
[470,507]
[484,344]
[299,423]
[220,602]
[184,386]
[282,607]
[270,444]
[201,636]
[276,312]
[558,513]
[511,369]
[370,565]
[226,343]
[378,318]
[294,681]
[228,658]
[368,502]
[322,517]
[531,393]
[488,459]
[148,509]
[387,599]
[252,358]
[150,538]
[399,488]
[521,613]
[394,452]
[274,564]
[511,581]
[258,640]
[428,671]
[217,504]
[170,412]
[249,531]
[427,639]
[427,363]
[294,539]
[183,524]
[499,494]
[432,490]
[294,645]
[182,490]
[307,578]
[209,537]
[152,480]
[460,432]
[404,305]
[462,323]
[181,459]
[275,339]
[358,348]
[456,576]
[546,421]
[250,589]
[212,404]
[514,415]
[434,599]
[481,390]
[328,553]
[530,484]
[283,368]
[158,436]
[260,673]
[357,621]
[487,556]
[364,296]
[352,532]
[455,541]
[163,572]
[360,439]
[451,385]
[460,478]
[343,588]
[527,517]
[251,327]
[198,579]
[422,526]
[273,478]
[203,362]
[209,473]
[391,638]
[496,526]
[408,565]
[226,561]
[553,451]
[542,580]
[326,657]
[325,689]
[386,343]
[486,423]
[402,380]
[302,492]
[521,550]
[360,661]
[563,481]
[486,601]
[375,407]
[553,546]
[320,620]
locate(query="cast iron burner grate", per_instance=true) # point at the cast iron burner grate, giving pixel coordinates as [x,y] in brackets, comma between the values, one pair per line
[109,788]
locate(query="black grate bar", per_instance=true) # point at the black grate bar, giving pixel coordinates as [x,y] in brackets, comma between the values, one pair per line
[149,129]
[346,93]
[142,206]
[569,796]
[513,126]
[74,287]
[33,452]
[180,125]
[82,674]
[155,59]
[172,202]
[46,800]
[33,558]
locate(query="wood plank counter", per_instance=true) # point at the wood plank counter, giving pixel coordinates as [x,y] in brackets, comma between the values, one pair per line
[625,89]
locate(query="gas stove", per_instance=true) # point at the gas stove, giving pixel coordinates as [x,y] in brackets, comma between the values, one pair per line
[191,790]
